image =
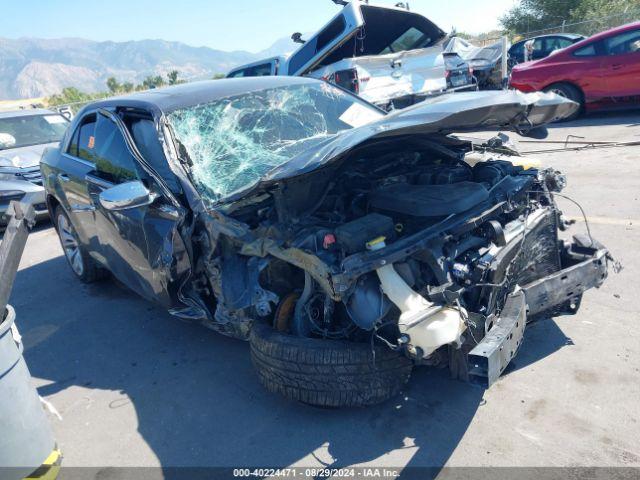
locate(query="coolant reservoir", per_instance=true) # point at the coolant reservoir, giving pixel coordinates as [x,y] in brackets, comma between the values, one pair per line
[428,326]
[437,329]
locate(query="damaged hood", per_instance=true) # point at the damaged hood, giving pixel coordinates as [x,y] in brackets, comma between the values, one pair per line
[23,157]
[456,112]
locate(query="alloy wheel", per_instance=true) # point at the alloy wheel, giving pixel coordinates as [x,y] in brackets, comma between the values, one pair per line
[70,245]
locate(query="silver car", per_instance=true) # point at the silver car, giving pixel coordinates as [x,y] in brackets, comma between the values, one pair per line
[24,135]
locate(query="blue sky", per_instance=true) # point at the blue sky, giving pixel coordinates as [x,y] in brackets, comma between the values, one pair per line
[226,25]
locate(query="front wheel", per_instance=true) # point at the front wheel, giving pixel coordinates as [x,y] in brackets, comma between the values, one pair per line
[569,92]
[327,373]
[79,260]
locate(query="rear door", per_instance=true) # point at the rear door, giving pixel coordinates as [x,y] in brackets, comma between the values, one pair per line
[342,27]
[621,65]
[141,245]
[590,73]
[76,160]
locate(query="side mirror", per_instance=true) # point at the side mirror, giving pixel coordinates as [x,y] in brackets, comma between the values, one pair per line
[127,195]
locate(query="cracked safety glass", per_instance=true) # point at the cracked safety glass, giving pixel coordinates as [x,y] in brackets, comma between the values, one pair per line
[234,141]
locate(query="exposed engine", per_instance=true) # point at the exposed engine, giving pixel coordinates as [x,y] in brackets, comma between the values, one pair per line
[417,248]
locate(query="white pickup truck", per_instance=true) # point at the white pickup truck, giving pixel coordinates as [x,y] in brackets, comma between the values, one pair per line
[389,56]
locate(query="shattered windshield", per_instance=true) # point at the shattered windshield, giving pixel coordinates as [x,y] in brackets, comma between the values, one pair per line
[233,142]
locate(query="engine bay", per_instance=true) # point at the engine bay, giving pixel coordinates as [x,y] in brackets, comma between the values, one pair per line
[415,248]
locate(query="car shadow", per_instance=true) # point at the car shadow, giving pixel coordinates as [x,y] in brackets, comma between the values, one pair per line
[629,118]
[197,400]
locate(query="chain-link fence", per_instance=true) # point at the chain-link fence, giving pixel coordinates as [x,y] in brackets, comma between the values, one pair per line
[585,27]
[588,27]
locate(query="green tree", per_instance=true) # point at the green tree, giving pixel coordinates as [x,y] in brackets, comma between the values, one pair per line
[172,77]
[153,81]
[218,76]
[534,15]
[531,15]
[127,87]
[73,97]
[113,85]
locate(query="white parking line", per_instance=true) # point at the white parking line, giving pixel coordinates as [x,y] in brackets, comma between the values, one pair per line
[608,221]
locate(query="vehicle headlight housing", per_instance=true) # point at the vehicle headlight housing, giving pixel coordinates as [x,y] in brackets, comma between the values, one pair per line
[7,195]
[8,173]
[7,169]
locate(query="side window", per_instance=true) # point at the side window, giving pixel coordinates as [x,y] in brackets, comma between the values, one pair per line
[627,42]
[113,160]
[556,43]
[537,46]
[261,70]
[330,33]
[316,44]
[237,74]
[72,149]
[588,51]
[564,43]
[517,51]
[81,144]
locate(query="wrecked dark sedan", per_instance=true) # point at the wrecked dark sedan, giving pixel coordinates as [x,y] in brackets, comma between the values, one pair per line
[346,244]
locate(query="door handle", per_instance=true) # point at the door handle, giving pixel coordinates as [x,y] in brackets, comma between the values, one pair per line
[63,177]
[617,66]
[76,207]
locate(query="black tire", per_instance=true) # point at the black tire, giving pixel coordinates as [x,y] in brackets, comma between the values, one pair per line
[570,92]
[326,373]
[82,265]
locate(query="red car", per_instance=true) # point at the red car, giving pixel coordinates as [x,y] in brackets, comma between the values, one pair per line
[602,71]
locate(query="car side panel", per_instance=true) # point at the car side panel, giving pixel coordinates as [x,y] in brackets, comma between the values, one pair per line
[586,73]
[63,178]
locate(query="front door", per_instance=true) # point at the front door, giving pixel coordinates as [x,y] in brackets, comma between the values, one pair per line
[141,245]
[622,67]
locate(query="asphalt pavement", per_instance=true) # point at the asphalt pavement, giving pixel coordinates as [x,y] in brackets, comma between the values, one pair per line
[134,386]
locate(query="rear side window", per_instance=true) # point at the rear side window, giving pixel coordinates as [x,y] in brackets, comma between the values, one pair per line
[262,70]
[517,50]
[588,51]
[81,144]
[557,43]
[627,42]
[113,160]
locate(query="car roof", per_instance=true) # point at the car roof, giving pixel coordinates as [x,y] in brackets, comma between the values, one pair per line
[570,36]
[168,99]
[27,112]
[613,31]
[605,34]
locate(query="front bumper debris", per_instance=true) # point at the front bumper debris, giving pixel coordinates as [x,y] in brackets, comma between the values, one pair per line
[491,356]
[558,293]
[568,284]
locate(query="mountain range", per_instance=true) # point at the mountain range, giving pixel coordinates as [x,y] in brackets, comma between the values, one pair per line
[35,67]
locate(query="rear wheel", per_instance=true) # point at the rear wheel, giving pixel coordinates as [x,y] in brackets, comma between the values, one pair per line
[327,373]
[569,92]
[79,260]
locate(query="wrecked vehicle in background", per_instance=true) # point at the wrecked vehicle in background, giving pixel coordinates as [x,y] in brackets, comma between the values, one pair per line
[485,62]
[24,134]
[391,57]
[346,244]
